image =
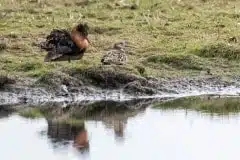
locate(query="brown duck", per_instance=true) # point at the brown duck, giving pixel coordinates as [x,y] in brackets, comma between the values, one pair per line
[63,45]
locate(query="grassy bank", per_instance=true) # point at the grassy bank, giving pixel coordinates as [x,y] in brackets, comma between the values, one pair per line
[169,38]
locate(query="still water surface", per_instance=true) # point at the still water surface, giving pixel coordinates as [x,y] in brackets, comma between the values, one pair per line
[151,134]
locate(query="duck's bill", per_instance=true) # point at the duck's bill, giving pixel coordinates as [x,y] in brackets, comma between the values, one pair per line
[88,40]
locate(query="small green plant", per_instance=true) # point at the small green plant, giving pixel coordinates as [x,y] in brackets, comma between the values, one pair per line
[141,70]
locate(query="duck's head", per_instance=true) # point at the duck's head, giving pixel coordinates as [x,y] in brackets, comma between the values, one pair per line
[79,35]
[82,29]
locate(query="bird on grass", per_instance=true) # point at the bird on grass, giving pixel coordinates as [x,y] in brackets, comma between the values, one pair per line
[63,45]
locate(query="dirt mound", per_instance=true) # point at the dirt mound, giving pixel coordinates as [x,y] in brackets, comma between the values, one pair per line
[56,79]
[4,80]
[106,77]
[102,77]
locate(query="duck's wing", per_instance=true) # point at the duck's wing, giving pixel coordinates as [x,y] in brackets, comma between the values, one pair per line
[54,38]
[58,44]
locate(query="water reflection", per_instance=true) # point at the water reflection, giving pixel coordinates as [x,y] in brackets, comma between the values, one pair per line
[111,130]
[64,133]
[119,127]
[112,114]
[66,122]
[5,111]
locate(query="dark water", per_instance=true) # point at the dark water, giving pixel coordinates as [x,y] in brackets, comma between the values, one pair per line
[149,133]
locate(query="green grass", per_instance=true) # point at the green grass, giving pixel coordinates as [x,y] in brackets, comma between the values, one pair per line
[170,38]
[213,105]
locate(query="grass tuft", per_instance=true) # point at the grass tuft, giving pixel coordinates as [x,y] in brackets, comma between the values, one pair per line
[29,66]
[180,61]
[222,50]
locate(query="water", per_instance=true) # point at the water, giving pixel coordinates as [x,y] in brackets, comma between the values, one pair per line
[149,133]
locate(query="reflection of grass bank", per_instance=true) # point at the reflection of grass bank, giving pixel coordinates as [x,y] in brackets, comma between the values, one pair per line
[31,113]
[71,121]
[35,113]
[76,113]
[203,104]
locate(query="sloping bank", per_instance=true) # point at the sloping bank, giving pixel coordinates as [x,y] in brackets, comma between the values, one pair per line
[106,83]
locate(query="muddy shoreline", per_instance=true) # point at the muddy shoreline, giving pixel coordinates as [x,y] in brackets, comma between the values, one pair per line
[108,85]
